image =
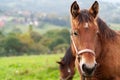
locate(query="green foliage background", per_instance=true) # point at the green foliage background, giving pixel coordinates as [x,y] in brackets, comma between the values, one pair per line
[32,42]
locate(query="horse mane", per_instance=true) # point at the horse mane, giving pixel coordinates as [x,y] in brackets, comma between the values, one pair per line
[105,32]
[68,58]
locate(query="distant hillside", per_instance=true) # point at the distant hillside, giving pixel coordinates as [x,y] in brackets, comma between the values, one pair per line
[60,7]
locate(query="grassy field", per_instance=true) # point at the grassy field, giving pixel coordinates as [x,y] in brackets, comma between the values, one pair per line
[42,67]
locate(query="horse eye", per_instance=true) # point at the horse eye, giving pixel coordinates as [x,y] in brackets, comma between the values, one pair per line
[75,33]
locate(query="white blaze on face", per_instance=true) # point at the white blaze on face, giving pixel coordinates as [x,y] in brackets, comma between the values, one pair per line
[86,25]
[69,70]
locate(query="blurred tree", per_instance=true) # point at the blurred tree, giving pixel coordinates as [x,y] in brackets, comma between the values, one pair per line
[46,41]
[55,42]
[51,33]
[27,42]
[61,48]
[2,37]
[64,33]
[35,36]
[30,28]
[38,48]
[54,38]
[12,45]
[33,42]
[26,39]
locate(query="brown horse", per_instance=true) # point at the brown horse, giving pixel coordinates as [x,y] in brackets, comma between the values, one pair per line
[93,43]
[67,66]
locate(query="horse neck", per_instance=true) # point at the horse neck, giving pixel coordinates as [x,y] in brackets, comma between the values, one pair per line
[109,42]
[72,58]
[69,57]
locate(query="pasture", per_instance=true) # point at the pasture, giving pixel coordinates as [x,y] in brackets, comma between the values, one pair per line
[41,67]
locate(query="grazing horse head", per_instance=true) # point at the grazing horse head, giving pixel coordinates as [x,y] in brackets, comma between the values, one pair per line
[65,71]
[84,35]
[66,66]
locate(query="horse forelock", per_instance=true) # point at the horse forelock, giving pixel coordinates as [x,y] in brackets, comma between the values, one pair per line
[85,16]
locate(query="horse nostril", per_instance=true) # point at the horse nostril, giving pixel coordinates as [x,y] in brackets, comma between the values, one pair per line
[87,70]
[84,67]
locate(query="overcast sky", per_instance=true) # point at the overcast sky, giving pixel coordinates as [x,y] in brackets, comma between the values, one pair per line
[114,1]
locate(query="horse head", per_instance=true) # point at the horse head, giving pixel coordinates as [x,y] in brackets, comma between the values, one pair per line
[84,36]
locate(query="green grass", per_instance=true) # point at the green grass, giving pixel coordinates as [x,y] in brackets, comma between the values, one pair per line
[42,67]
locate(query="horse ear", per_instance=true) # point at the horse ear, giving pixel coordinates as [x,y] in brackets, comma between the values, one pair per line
[59,62]
[74,9]
[94,9]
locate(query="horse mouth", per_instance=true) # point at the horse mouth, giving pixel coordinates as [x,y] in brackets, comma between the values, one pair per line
[87,75]
[88,72]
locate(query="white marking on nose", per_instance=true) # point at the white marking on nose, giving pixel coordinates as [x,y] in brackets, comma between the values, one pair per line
[81,63]
[91,65]
[86,25]
[88,65]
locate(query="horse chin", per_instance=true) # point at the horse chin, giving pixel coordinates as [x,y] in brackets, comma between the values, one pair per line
[87,75]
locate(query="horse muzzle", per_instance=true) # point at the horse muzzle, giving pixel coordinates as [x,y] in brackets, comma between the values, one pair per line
[88,71]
